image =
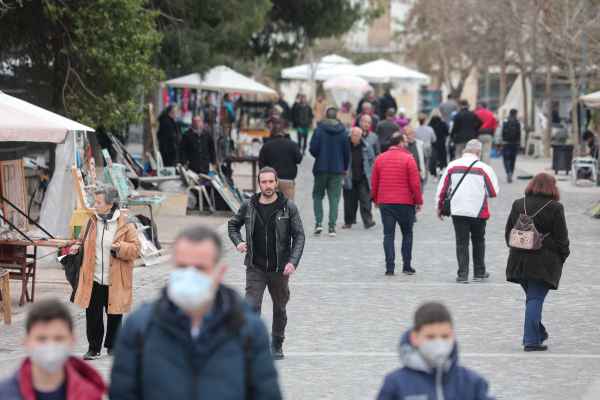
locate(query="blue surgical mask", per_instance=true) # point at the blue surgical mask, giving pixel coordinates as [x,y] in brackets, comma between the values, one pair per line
[190,289]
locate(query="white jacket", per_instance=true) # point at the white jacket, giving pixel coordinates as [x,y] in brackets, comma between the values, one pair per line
[470,200]
[105,235]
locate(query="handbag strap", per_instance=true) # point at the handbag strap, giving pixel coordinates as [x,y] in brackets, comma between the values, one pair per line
[86,232]
[463,177]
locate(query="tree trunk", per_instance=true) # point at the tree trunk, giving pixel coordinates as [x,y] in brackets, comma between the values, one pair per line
[502,83]
[149,98]
[525,100]
[574,120]
[96,149]
[548,133]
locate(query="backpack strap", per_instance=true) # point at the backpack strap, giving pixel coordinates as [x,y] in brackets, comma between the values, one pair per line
[541,208]
[525,205]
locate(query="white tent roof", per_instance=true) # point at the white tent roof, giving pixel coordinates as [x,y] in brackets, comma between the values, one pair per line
[222,79]
[384,71]
[328,67]
[24,122]
[591,100]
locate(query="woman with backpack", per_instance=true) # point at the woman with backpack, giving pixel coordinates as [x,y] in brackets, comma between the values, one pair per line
[536,232]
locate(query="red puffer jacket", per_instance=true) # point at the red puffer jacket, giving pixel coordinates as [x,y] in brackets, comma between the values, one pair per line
[395,178]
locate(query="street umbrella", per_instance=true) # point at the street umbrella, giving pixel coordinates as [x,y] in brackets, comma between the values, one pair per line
[347,82]
[591,100]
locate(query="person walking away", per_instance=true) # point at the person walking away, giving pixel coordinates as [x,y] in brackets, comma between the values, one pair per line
[285,114]
[451,144]
[319,108]
[362,101]
[441,133]
[385,129]
[199,339]
[538,271]
[469,207]
[465,127]
[357,185]
[425,134]
[106,275]
[197,151]
[429,353]
[283,155]
[368,135]
[396,191]
[303,118]
[293,110]
[168,135]
[272,224]
[415,147]
[511,140]
[402,121]
[385,103]
[367,110]
[447,108]
[485,134]
[49,371]
[331,149]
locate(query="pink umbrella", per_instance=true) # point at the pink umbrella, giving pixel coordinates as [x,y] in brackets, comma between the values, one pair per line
[347,82]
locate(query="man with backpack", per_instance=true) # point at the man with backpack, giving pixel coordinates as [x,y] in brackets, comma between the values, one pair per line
[511,140]
[199,339]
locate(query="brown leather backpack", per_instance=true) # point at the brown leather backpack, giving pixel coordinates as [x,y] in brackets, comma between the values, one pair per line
[523,235]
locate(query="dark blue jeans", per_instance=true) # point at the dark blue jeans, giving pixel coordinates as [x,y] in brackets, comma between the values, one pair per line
[535,292]
[404,215]
[509,155]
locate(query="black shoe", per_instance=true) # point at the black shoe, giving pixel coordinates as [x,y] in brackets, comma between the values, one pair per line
[541,347]
[332,232]
[389,273]
[408,271]
[462,280]
[277,349]
[110,352]
[481,278]
[318,228]
[92,355]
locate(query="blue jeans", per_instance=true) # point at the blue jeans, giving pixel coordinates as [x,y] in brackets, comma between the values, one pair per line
[404,215]
[509,155]
[535,292]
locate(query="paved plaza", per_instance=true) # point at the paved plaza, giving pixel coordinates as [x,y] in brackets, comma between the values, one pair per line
[346,317]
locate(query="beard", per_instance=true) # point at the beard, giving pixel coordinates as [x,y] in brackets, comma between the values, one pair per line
[268,193]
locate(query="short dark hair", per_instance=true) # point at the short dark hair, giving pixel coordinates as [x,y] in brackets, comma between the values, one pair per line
[450,96]
[513,111]
[46,311]
[463,102]
[543,185]
[197,234]
[431,313]
[265,170]
[397,138]
[390,112]
[587,135]
[482,102]
[278,128]
[331,113]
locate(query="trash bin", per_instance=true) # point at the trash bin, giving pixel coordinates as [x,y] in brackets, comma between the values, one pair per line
[562,154]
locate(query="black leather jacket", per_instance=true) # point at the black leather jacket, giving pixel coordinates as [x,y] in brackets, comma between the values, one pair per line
[289,232]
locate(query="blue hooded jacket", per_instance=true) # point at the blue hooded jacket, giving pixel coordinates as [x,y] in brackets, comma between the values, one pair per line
[419,381]
[330,147]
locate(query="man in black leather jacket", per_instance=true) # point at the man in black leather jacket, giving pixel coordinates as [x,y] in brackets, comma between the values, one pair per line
[273,249]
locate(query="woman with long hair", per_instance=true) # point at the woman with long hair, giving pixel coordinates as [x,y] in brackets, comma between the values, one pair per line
[436,121]
[538,271]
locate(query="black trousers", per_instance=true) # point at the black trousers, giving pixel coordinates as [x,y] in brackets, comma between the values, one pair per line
[360,194]
[94,315]
[277,282]
[475,228]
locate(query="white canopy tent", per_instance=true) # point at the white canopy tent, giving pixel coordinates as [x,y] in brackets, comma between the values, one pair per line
[591,100]
[384,71]
[347,88]
[222,79]
[327,67]
[23,122]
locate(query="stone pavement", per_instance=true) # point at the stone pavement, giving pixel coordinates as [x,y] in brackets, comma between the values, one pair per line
[346,318]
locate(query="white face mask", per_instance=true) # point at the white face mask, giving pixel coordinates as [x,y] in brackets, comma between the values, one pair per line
[190,289]
[50,357]
[437,352]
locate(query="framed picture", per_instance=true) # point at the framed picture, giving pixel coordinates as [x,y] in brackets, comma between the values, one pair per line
[12,180]
[81,189]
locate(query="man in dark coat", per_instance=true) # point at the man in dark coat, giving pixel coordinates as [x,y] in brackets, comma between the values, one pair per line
[286,108]
[197,150]
[168,135]
[385,103]
[386,128]
[198,340]
[303,117]
[466,125]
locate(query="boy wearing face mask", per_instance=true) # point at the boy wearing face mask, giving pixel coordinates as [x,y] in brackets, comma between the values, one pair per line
[49,372]
[430,356]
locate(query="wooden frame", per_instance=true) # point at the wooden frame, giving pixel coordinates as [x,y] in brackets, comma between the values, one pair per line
[12,181]
[81,189]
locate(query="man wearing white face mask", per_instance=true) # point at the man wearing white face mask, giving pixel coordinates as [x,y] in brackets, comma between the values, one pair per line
[199,340]
[49,372]
[430,357]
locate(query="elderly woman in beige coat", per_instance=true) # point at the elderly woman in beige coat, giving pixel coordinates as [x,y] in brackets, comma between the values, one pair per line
[105,280]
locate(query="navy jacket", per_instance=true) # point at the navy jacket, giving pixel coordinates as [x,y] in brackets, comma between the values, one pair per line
[417,380]
[230,360]
[330,147]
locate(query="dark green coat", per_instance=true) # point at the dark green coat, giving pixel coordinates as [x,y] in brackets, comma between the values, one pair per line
[543,265]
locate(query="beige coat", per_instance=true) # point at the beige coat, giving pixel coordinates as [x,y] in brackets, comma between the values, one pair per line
[319,110]
[120,270]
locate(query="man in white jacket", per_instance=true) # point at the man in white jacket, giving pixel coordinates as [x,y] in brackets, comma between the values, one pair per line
[469,207]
